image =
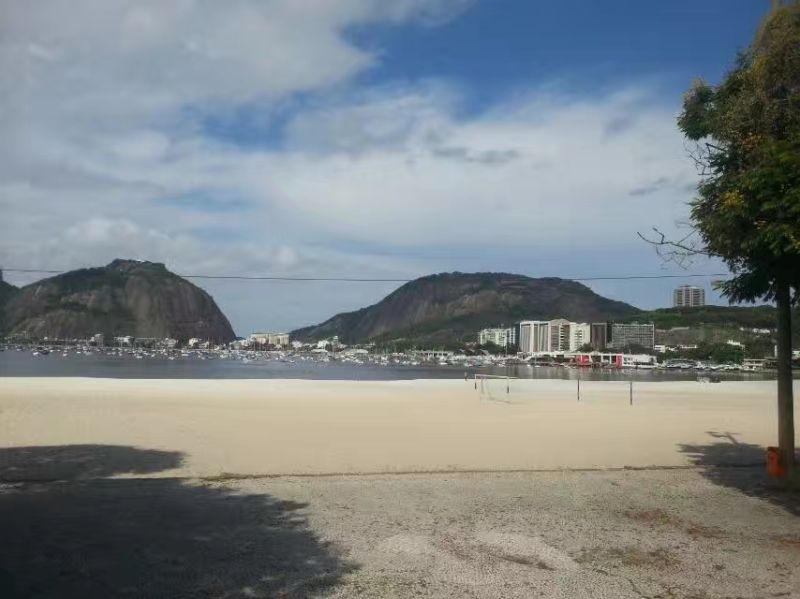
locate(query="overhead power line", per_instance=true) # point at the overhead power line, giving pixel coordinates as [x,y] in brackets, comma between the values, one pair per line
[387,280]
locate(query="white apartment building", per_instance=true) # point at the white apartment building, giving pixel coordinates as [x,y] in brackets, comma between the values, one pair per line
[580,334]
[687,296]
[501,337]
[534,336]
[276,339]
[559,335]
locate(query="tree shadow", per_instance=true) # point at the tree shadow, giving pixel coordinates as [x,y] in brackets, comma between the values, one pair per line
[742,466]
[77,462]
[82,538]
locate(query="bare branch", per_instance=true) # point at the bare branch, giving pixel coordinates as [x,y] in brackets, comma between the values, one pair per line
[682,251]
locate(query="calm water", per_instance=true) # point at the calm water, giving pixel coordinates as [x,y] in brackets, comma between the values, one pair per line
[14,363]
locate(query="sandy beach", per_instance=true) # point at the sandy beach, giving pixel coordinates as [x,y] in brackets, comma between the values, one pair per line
[188,488]
[279,427]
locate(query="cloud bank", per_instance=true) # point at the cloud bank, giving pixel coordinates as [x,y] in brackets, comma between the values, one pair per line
[110,149]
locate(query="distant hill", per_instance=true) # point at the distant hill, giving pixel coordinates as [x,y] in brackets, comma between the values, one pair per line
[761,317]
[714,323]
[126,297]
[454,306]
[7,291]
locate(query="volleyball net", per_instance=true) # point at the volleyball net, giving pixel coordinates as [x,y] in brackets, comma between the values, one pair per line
[495,387]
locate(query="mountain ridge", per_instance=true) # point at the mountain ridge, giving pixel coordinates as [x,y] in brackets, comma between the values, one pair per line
[449,306]
[125,297]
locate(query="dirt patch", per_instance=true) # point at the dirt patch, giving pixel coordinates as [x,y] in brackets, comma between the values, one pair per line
[699,531]
[789,542]
[628,556]
[654,516]
[660,517]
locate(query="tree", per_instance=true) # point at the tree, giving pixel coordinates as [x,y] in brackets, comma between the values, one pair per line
[492,348]
[635,348]
[747,211]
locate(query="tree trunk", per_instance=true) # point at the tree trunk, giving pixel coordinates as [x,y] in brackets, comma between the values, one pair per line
[785,393]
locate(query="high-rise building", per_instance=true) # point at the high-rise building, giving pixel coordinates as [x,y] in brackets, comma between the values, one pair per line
[625,335]
[534,336]
[599,335]
[560,334]
[579,335]
[687,296]
[502,337]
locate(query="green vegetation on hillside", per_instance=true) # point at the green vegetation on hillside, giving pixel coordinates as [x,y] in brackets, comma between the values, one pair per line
[757,317]
[448,309]
[126,297]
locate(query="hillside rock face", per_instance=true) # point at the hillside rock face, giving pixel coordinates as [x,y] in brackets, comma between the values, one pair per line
[7,291]
[445,307]
[127,297]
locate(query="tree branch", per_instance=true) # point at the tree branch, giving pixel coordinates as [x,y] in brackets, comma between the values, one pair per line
[681,251]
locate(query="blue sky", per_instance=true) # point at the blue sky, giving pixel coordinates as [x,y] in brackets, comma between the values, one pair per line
[391,138]
[498,46]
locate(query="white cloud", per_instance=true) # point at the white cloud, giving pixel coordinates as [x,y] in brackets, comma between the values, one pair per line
[104,153]
[546,169]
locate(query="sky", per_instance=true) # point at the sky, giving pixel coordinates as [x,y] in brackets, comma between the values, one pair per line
[354,138]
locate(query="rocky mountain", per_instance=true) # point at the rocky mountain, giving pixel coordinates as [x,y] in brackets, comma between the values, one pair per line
[126,297]
[448,307]
[7,291]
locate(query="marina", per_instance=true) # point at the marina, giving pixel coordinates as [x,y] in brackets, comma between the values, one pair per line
[358,364]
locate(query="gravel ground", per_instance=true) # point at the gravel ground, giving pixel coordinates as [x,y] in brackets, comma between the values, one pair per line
[696,533]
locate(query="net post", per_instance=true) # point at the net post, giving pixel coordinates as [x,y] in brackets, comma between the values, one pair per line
[579,386]
[631,393]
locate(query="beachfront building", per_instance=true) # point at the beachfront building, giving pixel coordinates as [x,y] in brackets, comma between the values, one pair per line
[267,339]
[552,336]
[625,335]
[599,335]
[579,335]
[502,337]
[559,334]
[534,336]
[332,343]
[688,296]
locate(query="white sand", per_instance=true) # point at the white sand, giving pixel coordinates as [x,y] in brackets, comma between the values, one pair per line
[255,427]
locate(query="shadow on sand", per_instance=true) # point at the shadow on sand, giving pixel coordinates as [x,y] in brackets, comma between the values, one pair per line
[742,466]
[146,537]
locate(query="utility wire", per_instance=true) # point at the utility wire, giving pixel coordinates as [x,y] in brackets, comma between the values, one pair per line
[379,280]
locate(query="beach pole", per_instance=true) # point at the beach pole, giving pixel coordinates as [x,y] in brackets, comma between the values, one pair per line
[631,394]
[579,386]
[508,390]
